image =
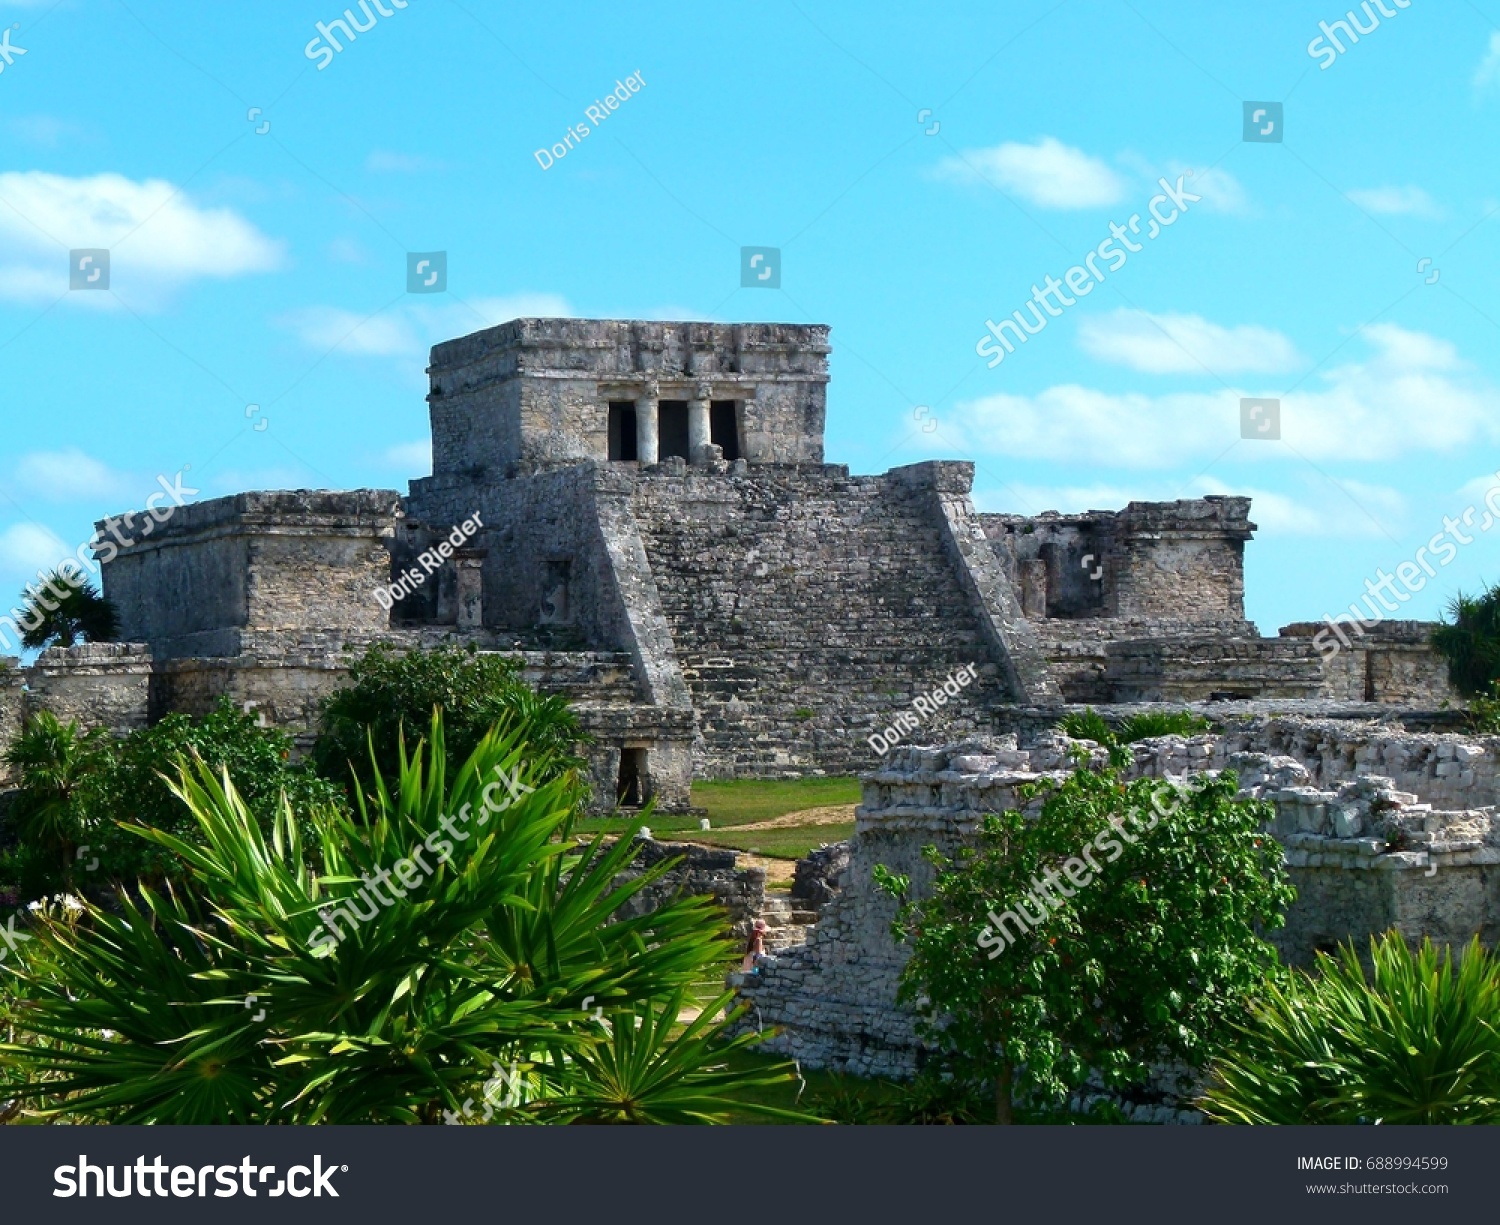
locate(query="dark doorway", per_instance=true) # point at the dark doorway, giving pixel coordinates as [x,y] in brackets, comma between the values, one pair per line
[632,791]
[622,430]
[724,426]
[672,424]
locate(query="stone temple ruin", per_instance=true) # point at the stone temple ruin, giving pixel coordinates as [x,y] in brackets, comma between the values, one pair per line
[641,515]
[662,541]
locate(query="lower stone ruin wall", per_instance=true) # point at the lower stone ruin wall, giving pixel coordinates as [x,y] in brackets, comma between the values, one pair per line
[701,871]
[1366,854]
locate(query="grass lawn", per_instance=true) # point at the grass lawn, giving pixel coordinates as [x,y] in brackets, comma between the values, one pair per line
[821,1094]
[793,842]
[743,801]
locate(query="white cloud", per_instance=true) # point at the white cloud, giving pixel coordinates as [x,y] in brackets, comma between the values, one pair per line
[1411,393]
[1023,499]
[157,237]
[47,130]
[1489,68]
[1397,202]
[1048,174]
[414,458]
[329,327]
[1172,344]
[347,251]
[63,476]
[1322,509]
[26,548]
[408,330]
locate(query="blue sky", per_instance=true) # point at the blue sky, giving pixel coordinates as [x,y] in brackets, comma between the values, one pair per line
[919,170]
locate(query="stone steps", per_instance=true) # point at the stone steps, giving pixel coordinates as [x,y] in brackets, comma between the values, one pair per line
[787,925]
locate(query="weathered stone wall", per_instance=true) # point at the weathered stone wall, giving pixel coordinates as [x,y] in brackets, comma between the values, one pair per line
[1177,562]
[1195,669]
[1365,854]
[260,561]
[99,684]
[12,710]
[809,608]
[701,871]
[1447,770]
[1391,662]
[537,391]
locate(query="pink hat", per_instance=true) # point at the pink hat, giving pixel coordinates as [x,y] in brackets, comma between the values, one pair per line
[760,925]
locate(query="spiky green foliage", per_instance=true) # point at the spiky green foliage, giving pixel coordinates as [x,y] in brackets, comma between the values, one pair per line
[1413,1041]
[1150,955]
[1470,642]
[1152,723]
[225,999]
[392,692]
[63,613]
[1089,724]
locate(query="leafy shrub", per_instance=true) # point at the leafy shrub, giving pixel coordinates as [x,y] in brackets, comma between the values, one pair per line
[491,960]
[1153,956]
[1470,642]
[1151,723]
[76,790]
[1416,1041]
[391,693]
[1089,724]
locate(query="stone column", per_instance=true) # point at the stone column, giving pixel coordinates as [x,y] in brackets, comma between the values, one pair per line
[700,433]
[646,432]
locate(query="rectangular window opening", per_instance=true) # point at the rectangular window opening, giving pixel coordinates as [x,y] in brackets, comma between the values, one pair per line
[724,426]
[672,424]
[622,430]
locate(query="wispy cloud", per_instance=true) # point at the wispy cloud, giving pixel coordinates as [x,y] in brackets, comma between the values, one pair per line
[157,237]
[1411,393]
[1048,174]
[1397,202]
[1172,344]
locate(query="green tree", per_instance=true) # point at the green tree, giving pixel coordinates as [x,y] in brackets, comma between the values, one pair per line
[1413,1041]
[390,693]
[1470,642]
[229,1000]
[1151,956]
[77,790]
[60,771]
[60,613]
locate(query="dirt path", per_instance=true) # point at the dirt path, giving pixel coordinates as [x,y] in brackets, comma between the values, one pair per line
[780,871]
[831,814]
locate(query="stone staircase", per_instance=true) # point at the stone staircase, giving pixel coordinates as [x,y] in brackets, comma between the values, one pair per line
[787,926]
